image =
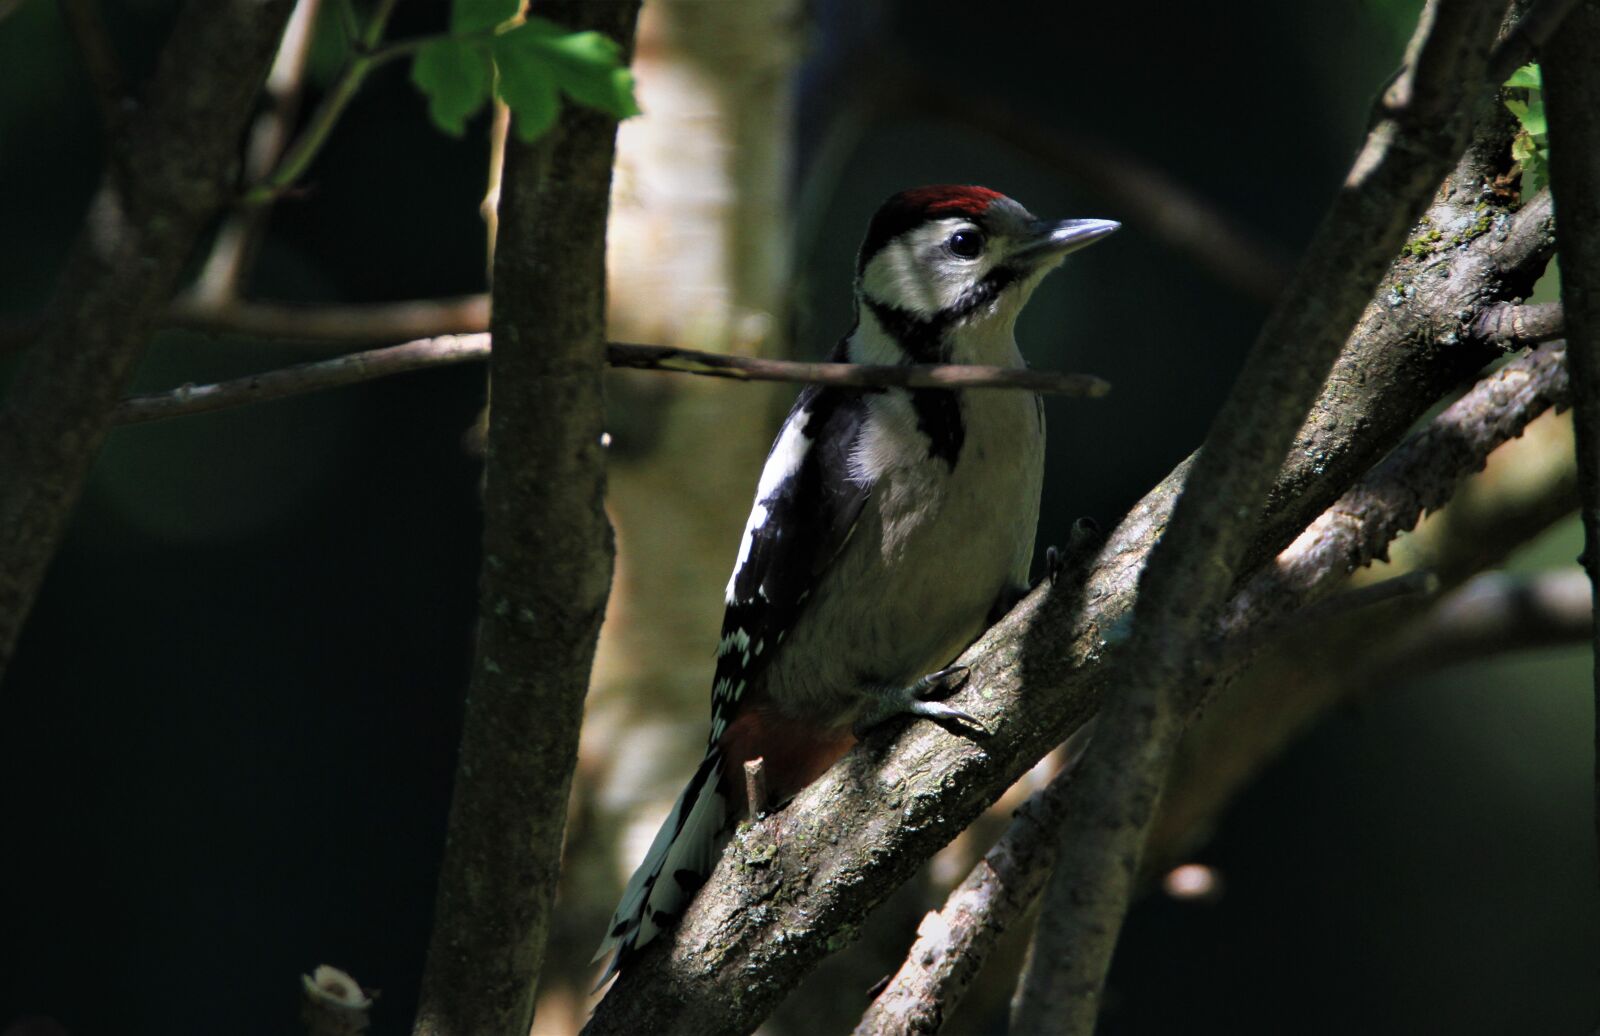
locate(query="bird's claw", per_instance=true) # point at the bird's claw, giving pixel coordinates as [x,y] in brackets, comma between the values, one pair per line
[920,699]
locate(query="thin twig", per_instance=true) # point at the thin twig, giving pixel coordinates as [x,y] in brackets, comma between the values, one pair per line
[303,378]
[234,249]
[1512,325]
[1418,130]
[1416,478]
[375,322]
[444,350]
[366,58]
[1143,195]
[1493,614]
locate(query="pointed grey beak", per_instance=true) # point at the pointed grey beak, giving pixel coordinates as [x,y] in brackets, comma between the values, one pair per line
[1054,240]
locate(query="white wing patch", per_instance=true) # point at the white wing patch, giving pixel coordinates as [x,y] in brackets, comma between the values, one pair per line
[788,453]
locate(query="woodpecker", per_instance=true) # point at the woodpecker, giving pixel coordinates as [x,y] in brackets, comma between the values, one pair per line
[890,528]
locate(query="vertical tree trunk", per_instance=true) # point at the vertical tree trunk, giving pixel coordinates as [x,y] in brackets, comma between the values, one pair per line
[546,570]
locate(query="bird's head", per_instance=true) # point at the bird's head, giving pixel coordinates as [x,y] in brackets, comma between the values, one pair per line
[947,258]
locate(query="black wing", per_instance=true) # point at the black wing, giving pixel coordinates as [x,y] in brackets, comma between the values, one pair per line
[804,512]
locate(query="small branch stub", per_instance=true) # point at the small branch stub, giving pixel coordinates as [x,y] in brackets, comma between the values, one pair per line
[755,786]
[334,1004]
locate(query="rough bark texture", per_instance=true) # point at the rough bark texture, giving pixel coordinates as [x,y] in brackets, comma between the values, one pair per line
[1420,127]
[1528,487]
[546,572]
[856,835]
[1572,85]
[1420,475]
[167,175]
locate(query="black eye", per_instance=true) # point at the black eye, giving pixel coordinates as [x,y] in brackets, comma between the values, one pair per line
[965,244]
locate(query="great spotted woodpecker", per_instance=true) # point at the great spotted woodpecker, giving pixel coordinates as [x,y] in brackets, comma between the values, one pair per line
[889,527]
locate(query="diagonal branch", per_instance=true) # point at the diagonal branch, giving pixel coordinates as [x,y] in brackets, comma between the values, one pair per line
[233,251]
[863,829]
[1420,126]
[1419,475]
[173,175]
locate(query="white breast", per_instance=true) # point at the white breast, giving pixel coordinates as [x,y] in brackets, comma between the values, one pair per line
[932,551]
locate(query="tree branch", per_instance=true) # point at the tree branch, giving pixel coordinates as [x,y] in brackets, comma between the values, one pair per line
[373,322]
[1144,195]
[1419,127]
[451,349]
[1491,615]
[172,176]
[300,154]
[1421,474]
[546,573]
[1513,326]
[862,830]
[233,251]
[1572,91]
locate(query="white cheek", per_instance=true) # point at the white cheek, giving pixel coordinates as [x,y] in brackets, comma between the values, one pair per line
[916,274]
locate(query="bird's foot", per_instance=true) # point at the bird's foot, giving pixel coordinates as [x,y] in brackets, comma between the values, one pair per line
[919,699]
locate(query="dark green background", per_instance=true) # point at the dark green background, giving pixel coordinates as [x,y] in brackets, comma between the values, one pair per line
[226,743]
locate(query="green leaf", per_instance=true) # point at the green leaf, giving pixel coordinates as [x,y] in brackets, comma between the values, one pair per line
[456,77]
[1533,119]
[1526,77]
[527,87]
[540,56]
[478,15]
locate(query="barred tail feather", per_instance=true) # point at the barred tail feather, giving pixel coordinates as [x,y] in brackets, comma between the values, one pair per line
[683,852]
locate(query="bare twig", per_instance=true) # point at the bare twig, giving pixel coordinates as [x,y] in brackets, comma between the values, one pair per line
[99,61]
[546,572]
[1142,195]
[1418,130]
[366,58]
[1416,478]
[303,378]
[445,350]
[1513,326]
[1572,91]
[1492,614]
[377,322]
[234,249]
[140,228]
